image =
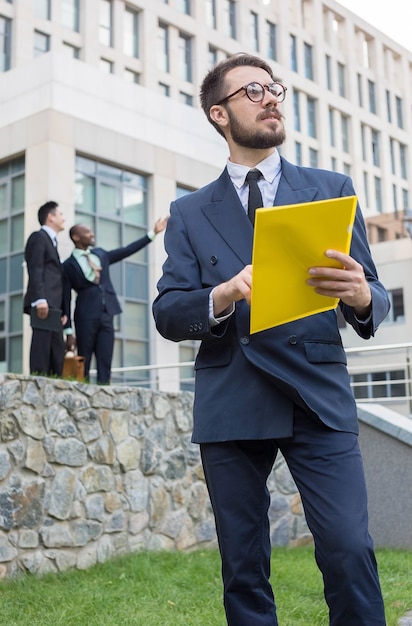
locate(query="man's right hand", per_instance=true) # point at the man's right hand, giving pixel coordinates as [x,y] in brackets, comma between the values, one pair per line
[42,310]
[233,290]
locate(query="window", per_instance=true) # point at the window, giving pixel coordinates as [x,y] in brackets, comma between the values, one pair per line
[405,199]
[363,142]
[12,202]
[254,26]
[332,139]
[293,54]
[41,43]
[388,106]
[42,9]
[392,155]
[328,69]
[313,157]
[360,90]
[183,6]
[186,98]
[372,96]
[375,147]
[211,13]
[185,57]
[402,154]
[298,153]
[271,41]
[229,18]
[296,109]
[311,112]
[399,111]
[5,43]
[164,89]
[308,51]
[397,310]
[71,51]
[131,76]
[131,33]
[341,80]
[105,23]
[378,194]
[114,203]
[71,14]
[366,187]
[212,56]
[106,66]
[379,384]
[395,199]
[345,132]
[163,59]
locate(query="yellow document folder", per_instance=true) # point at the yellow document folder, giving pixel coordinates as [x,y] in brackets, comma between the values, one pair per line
[288,240]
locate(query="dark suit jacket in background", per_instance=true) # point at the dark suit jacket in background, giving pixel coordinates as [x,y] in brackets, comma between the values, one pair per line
[247,385]
[45,271]
[45,282]
[92,298]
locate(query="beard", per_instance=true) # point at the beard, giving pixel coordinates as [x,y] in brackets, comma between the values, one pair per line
[270,138]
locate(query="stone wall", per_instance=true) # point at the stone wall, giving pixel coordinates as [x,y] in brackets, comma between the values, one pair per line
[88,473]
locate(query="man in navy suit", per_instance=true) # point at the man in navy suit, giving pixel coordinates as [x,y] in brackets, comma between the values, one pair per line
[45,290]
[86,272]
[284,389]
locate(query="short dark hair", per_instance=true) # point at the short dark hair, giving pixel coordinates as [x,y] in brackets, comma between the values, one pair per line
[213,86]
[45,209]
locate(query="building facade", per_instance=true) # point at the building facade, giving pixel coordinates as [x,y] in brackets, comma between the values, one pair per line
[99,111]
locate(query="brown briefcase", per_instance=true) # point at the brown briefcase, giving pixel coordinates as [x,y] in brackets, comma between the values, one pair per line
[73,366]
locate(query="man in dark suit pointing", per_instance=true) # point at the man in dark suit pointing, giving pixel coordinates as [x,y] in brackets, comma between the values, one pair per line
[86,272]
[285,389]
[44,295]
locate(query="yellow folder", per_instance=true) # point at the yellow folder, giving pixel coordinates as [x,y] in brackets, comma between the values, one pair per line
[288,240]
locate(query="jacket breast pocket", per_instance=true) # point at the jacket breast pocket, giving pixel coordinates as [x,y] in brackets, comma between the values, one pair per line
[324,352]
[213,355]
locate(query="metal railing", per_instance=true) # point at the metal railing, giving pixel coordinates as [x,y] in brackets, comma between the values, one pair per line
[379,373]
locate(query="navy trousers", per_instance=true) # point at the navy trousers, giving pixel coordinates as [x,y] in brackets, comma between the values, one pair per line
[96,337]
[328,471]
[46,352]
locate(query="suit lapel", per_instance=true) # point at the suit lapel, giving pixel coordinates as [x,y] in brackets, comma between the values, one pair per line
[292,188]
[227,216]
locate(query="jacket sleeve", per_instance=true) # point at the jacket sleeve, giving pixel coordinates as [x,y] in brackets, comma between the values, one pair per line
[122,253]
[181,309]
[360,251]
[35,261]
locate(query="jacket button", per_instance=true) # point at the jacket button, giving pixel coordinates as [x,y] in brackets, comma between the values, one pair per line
[293,340]
[213,260]
[244,341]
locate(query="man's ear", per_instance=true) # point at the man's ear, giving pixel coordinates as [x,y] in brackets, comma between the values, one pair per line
[219,115]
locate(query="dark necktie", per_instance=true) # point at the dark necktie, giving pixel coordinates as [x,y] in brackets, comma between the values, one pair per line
[255,197]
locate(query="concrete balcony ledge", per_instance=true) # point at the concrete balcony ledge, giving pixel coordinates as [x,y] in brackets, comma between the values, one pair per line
[387,421]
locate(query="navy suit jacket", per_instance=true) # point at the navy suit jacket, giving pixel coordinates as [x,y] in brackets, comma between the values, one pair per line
[92,299]
[45,271]
[247,385]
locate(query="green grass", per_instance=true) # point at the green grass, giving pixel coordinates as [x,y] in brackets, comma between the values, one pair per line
[178,589]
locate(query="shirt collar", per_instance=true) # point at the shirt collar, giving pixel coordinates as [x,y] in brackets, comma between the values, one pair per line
[52,233]
[269,167]
[78,252]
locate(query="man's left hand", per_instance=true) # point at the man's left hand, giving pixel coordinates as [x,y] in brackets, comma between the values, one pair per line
[347,283]
[160,224]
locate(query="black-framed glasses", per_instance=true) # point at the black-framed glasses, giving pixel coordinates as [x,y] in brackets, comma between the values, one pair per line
[256,92]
